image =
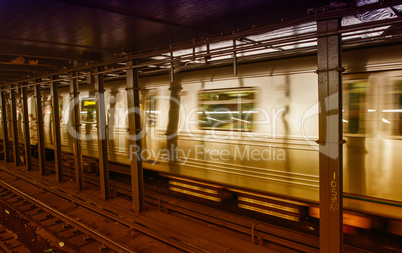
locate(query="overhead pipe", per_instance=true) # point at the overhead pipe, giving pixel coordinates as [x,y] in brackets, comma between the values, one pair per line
[234,58]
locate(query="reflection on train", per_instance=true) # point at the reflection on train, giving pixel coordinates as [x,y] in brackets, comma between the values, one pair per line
[255,131]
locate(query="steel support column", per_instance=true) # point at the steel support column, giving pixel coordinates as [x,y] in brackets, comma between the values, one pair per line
[133,100]
[56,129]
[5,126]
[27,137]
[102,135]
[76,131]
[14,127]
[330,136]
[39,130]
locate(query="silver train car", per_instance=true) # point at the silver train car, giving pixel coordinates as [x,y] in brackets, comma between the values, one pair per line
[255,131]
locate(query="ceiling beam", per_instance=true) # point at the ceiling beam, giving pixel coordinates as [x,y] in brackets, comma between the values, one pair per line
[53,44]
[7,55]
[26,67]
[9,79]
[20,72]
[2,74]
[49,50]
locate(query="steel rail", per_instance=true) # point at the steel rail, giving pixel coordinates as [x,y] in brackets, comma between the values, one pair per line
[281,237]
[307,243]
[97,236]
[115,216]
[278,235]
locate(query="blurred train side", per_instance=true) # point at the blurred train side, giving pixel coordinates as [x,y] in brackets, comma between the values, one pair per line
[282,132]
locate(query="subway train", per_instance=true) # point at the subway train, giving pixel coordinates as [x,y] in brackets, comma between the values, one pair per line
[254,131]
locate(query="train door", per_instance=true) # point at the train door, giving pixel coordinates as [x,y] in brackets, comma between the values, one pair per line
[356,118]
[61,112]
[116,128]
[20,129]
[391,113]
[88,121]
[8,120]
[48,120]
[113,111]
[151,109]
[47,112]
[149,114]
[3,144]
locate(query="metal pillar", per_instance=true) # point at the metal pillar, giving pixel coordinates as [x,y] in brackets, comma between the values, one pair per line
[56,132]
[133,100]
[330,136]
[5,126]
[27,137]
[39,130]
[76,125]
[102,135]
[171,67]
[14,127]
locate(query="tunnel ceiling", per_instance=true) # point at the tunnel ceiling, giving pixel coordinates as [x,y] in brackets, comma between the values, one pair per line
[44,36]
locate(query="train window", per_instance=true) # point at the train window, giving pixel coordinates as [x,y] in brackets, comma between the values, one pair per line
[353,115]
[47,110]
[227,109]
[392,114]
[88,111]
[61,109]
[19,112]
[151,112]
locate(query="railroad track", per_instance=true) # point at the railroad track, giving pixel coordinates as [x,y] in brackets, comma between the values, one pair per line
[255,234]
[285,240]
[71,234]
[142,226]
[76,236]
